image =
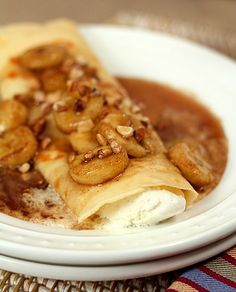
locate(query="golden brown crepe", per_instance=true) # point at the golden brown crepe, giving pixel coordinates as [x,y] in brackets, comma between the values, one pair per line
[142,174]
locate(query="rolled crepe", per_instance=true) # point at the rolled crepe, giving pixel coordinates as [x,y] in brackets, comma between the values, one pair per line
[142,174]
[151,172]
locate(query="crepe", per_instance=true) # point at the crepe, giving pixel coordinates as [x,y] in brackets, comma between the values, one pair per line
[16,38]
[141,175]
[142,172]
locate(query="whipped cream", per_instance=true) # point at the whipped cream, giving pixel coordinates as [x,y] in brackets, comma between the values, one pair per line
[144,209]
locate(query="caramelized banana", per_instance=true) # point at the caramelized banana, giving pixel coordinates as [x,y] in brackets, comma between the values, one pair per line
[68,119]
[117,118]
[53,80]
[12,114]
[17,146]
[152,142]
[93,107]
[83,142]
[43,57]
[130,144]
[191,163]
[113,94]
[98,170]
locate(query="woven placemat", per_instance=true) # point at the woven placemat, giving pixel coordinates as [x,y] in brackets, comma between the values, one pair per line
[12,282]
[221,40]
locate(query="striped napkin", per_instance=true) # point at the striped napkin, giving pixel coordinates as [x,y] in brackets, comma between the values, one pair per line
[217,274]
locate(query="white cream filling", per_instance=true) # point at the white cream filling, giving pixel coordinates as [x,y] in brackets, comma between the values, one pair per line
[148,208]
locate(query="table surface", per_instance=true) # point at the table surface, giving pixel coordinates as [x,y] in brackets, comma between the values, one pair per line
[219,13]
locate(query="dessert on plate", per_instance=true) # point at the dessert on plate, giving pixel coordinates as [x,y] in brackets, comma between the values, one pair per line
[75,150]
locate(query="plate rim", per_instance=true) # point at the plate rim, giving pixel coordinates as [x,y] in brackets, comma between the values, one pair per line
[231,229]
[119,272]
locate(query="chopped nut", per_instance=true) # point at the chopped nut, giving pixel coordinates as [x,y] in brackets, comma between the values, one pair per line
[90,71]
[85,126]
[75,73]
[125,131]
[26,98]
[46,142]
[145,124]
[39,97]
[53,97]
[75,85]
[67,65]
[27,192]
[39,126]
[141,118]
[88,156]
[46,108]
[101,140]
[59,106]
[126,104]
[2,129]
[93,81]
[71,157]
[113,95]
[79,105]
[84,89]
[69,84]
[115,146]
[24,167]
[139,134]
[104,153]
[82,61]
[95,92]
[135,109]
[34,83]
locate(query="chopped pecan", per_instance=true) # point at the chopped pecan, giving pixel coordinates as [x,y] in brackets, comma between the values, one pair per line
[39,126]
[39,97]
[24,167]
[101,140]
[71,157]
[60,106]
[102,153]
[76,73]
[67,65]
[115,146]
[139,134]
[88,156]
[79,105]
[125,131]
[46,142]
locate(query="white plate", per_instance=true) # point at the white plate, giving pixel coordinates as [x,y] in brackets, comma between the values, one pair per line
[184,65]
[105,273]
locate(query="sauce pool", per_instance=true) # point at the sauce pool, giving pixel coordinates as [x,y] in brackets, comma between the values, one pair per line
[178,116]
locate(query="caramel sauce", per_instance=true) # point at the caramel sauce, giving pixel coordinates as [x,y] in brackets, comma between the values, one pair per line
[13,184]
[178,116]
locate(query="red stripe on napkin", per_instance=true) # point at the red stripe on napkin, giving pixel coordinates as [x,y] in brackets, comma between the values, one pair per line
[229,259]
[218,277]
[192,284]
